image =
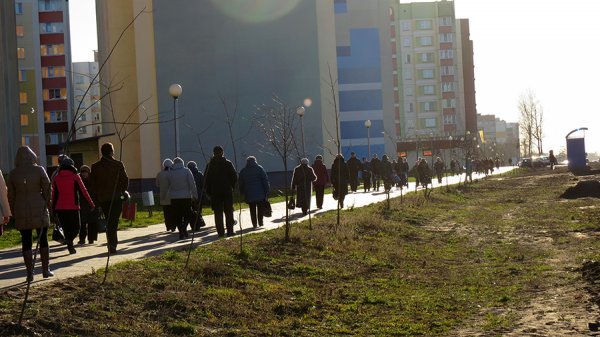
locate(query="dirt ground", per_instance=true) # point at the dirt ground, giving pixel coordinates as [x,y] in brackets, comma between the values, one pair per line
[567,304]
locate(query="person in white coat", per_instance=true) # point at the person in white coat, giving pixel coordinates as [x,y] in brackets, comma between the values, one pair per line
[182,189]
[5,213]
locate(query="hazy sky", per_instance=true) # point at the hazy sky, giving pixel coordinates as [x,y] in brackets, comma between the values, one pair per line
[548,46]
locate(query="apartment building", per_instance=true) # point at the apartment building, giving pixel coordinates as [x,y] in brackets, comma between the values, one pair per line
[10,133]
[87,102]
[44,67]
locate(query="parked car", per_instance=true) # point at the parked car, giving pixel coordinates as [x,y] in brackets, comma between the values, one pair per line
[541,161]
[526,162]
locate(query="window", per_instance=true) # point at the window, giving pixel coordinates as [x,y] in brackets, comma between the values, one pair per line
[428,89]
[423,24]
[50,6]
[426,57]
[22,75]
[21,53]
[425,40]
[449,119]
[447,70]
[55,116]
[23,97]
[449,103]
[428,106]
[55,138]
[407,59]
[405,25]
[447,37]
[406,42]
[51,27]
[48,72]
[411,107]
[55,93]
[82,130]
[447,87]
[427,73]
[20,31]
[408,91]
[52,49]
[445,21]
[25,140]
[83,117]
[408,74]
[18,8]
[446,54]
[24,120]
[430,122]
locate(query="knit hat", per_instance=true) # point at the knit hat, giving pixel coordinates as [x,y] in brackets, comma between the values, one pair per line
[167,163]
[85,168]
[177,160]
[192,164]
[304,161]
[67,162]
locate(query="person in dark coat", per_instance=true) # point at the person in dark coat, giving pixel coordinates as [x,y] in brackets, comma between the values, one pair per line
[109,183]
[322,180]
[424,172]
[354,165]
[376,172]
[220,178]
[67,188]
[197,221]
[438,167]
[366,174]
[162,182]
[182,190]
[302,180]
[404,168]
[339,179]
[87,214]
[29,199]
[254,185]
[387,173]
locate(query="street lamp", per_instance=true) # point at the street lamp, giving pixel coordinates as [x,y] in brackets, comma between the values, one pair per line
[175,91]
[300,111]
[368,126]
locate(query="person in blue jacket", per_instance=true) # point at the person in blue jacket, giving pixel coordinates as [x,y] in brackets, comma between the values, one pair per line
[254,185]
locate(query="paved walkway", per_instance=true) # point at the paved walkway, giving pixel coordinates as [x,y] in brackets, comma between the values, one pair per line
[153,240]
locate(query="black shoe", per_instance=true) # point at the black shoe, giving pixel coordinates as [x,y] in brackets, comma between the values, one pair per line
[91,242]
[81,242]
[254,225]
[230,234]
[71,249]
[261,224]
[112,250]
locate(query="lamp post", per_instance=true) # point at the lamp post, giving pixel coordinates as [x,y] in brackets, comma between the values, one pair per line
[175,91]
[368,126]
[300,112]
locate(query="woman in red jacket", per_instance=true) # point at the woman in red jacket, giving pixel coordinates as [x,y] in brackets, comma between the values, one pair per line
[66,189]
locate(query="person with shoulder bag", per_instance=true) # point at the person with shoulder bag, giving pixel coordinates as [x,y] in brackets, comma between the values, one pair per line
[67,187]
[254,185]
[89,215]
[29,200]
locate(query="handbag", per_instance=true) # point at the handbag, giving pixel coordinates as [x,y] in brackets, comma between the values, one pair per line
[129,210]
[58,234]
[291,203]
[101,220]
[265,207]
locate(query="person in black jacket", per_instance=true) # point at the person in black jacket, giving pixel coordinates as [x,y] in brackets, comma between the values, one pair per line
[376,172]
[220,178]
[339,179]
[354,165]
[197,221]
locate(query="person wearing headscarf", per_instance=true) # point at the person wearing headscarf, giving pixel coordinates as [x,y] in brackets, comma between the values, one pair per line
[67,187]
[182,189]
[162,182]
[339,179]
[322,180]
[29,200]
[197,221]
[254,185]
[302,180]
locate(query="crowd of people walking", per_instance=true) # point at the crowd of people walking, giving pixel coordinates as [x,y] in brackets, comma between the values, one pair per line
[76,200]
